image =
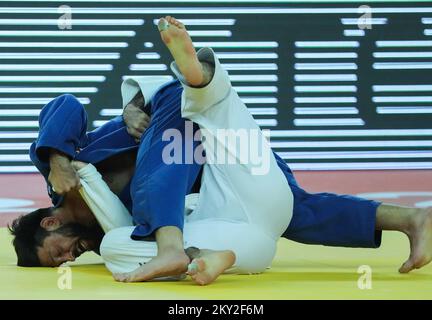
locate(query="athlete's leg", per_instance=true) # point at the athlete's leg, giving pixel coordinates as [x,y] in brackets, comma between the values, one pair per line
[416,223]
[230,247]
[243,186]
[158,189]
[349,221]
[237,188]
[203,105]
[333,220]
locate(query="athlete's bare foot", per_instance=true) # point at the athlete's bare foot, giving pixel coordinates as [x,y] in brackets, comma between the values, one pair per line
[420,236]
[166,264]
[176,38]
[210,265]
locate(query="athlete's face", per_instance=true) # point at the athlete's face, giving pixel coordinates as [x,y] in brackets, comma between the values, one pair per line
[66,244]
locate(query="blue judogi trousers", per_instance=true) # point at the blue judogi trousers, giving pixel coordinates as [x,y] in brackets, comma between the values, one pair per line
[156,193]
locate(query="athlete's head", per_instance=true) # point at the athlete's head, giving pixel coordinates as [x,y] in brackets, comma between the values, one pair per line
[41,239]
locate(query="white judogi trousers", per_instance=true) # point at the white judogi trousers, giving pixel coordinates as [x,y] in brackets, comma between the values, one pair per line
[244,204]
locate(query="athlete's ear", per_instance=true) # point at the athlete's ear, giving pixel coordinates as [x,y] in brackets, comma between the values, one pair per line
[50,223]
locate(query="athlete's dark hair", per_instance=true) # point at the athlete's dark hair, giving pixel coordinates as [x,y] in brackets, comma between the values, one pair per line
[29,235]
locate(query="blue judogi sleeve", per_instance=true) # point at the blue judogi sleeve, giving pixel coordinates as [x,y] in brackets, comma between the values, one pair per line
[63,126]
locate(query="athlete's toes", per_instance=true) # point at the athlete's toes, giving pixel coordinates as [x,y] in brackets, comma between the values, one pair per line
[175,22]
[409,265]
[120,277]
[406,267]
[163,24]
[198,280]
[192,268]
[180,25]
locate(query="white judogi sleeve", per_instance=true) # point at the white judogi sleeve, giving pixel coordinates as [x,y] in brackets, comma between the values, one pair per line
[148,85]
[105,205]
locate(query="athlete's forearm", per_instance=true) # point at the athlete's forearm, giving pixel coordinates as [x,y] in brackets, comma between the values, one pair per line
[63,176]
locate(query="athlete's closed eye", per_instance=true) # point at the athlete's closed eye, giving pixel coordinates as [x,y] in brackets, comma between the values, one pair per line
[58,257]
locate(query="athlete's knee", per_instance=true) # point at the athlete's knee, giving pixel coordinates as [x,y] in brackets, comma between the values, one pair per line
[113,242]
[122,254]
[255,253]
[287,213]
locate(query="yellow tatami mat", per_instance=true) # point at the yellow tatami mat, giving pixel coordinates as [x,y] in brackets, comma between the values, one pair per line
[298,272]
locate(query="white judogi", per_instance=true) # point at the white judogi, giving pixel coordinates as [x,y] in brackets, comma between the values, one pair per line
[239,208]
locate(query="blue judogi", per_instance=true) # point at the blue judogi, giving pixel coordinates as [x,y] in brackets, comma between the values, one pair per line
[156,194]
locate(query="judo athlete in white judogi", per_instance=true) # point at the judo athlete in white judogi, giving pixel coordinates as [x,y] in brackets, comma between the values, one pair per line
[243,206]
